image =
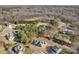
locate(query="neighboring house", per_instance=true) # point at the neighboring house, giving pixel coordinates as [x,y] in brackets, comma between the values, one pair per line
[54,49]
[62,42]
[10,36]
[67,30]
[59,41]
[17,49]
[39,43]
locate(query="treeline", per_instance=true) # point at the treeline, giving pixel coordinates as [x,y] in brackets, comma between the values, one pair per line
[20,13]
[68,14]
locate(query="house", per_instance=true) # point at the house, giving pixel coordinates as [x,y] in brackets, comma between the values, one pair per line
[17,49]
[62,42]
[67,30]
[54,49]
[59,41]
[39,43]
[10,36]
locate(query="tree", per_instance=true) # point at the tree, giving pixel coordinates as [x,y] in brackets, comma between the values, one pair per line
[26,33]
[41,30]
[23,37]
[54,22]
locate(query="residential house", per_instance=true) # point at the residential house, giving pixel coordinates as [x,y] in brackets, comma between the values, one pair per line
[10,36]
[39,43]
[62,42]
[17,49]
[54,49]
[67,30]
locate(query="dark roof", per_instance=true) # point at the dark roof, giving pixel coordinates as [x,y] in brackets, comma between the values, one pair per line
[53,49]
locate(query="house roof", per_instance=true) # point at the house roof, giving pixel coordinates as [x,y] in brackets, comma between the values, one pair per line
[54,49]
[39,43]
[18,48]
